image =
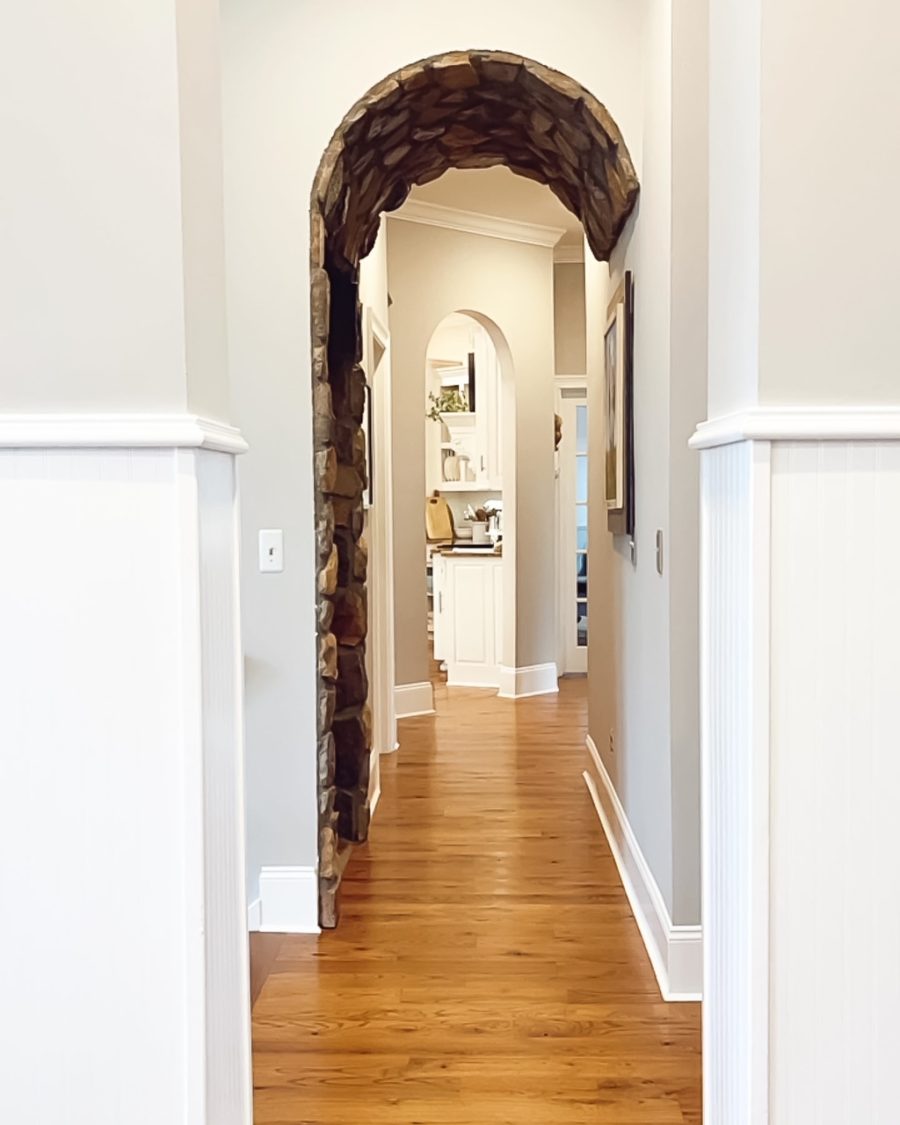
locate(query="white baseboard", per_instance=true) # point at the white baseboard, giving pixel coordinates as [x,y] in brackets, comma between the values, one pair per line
[413,699]
[254,915]
[676,952]
[288,900]
[538,679]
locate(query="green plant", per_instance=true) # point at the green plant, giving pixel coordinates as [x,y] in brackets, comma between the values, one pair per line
[451,400]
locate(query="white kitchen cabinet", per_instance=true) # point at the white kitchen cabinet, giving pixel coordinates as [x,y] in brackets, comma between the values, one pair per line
[439,626]
[472,617]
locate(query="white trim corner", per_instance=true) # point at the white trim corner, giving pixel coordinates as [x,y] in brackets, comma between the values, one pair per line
[675,952]
[413,699]
[289,900]
[799,423]
[254,915]
[536,679]
[118,431]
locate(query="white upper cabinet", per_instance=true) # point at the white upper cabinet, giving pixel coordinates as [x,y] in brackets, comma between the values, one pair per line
[463,446]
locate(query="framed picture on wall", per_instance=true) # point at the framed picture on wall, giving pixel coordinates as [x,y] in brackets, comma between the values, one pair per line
[618,402]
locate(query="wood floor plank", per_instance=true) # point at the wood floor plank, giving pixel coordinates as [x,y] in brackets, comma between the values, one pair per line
[487,969]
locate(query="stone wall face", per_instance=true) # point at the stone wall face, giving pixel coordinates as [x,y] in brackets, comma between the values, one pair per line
[471,109]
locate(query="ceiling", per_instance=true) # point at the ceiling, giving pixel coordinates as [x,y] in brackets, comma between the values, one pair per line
[501,194]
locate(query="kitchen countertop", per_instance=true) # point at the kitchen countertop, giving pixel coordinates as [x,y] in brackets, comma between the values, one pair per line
[478,552]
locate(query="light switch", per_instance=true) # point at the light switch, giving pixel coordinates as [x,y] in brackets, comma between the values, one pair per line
[271,550]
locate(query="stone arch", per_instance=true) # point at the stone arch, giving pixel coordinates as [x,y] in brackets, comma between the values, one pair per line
[465,109]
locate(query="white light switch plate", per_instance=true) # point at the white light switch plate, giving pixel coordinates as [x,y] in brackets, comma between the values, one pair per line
[271,550]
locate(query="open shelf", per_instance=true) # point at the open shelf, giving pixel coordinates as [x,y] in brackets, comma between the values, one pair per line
[468,486]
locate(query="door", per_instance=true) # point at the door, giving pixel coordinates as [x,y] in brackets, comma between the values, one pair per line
[572,555]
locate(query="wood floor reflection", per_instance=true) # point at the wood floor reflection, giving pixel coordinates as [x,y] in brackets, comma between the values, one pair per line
[487,969]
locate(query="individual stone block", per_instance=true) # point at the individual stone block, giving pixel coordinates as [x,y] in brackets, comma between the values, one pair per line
[327,165]
[326,706]
[352,752]
[324,614]
[325,520]
[498,66]
[327,852]
[347,482]
[326,469]
[320,306]
[361,559]
[320,363]
[352,685]
[316,239]
[345,541]
[326,762]
[455,71]
[328,574]
[328,656]
[344,511]
[412,78]
[329,902]
[395,155]
[350,624]
[353,814]
[323,416]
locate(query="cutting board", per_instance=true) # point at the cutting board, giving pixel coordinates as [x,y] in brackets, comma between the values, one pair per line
[438,519]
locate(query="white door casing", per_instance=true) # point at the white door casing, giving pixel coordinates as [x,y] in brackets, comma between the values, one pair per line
[380,648]
[571,542]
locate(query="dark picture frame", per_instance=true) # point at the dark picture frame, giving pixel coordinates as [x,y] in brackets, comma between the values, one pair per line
[618,375]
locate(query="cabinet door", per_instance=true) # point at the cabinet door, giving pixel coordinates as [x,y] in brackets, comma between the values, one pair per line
[438,575]
[469,600]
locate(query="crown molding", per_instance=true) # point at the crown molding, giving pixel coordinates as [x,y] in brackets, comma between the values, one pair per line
[568,255]
[122,431]
[472,222]
[798,423]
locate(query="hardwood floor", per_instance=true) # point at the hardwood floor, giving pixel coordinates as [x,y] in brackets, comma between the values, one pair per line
[487,970]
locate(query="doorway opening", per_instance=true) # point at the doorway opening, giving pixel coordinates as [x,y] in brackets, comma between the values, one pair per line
[471,109]
[470,552]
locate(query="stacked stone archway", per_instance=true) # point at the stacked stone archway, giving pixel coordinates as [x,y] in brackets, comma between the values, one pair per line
[471,109]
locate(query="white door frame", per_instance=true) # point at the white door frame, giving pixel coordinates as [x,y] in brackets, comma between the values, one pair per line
[379,531]
[570,657]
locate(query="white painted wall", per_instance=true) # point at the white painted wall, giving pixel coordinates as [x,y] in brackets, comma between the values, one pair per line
[643,644]
[111,217]
[433,272]
[779,333]
[569,318]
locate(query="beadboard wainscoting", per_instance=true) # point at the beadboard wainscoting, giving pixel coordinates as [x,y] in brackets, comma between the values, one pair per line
[675,952]
[121,799]
[835,782]
[734,766]
[801,778]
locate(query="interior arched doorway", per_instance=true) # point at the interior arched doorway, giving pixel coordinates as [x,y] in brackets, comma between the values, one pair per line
[469,355]
[465,109]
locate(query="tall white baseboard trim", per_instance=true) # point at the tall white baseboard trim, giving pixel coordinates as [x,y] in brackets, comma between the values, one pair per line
[538,679]
[675,952]
[413,699]
[254,915]
[288,900]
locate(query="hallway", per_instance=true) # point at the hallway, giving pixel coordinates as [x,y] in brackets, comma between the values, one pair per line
[486,969]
